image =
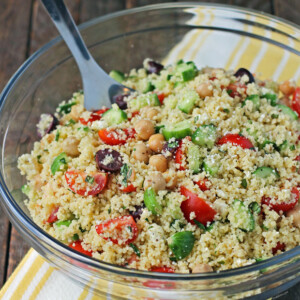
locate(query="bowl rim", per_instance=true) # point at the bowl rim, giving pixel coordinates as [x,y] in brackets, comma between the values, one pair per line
[11,206]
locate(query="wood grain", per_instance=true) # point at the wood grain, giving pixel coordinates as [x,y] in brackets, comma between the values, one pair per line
[288,9]
[14,26]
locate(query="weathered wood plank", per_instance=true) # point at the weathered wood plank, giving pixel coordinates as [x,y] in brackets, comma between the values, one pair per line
[288,9]
[91,9]
[43,29]
[14,27]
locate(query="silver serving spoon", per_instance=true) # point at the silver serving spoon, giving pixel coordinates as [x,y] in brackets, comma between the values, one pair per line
[99,88]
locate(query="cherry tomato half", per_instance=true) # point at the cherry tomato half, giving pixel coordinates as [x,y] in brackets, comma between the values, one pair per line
[204,213]
[161,97]
[116,137]
[128,189]
[179,155]
[84,184]
[296,101]
[283,206]
[236,140]
[203,184]
[53,215]
[95,116]
[121,230]
[232,89]
[78,247]
[162,269]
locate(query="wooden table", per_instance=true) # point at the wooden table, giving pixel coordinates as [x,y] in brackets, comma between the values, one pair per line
[25,27]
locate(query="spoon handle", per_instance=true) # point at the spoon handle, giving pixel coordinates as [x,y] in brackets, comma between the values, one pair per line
[65,24]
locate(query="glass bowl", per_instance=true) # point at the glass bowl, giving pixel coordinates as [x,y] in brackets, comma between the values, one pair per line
[211,35]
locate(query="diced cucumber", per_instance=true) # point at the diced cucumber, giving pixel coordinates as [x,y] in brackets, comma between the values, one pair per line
[187,71]
[66,223]
[145,86]
[288,111]
[25,189]
[114,116]
[178,130]
[194,158]
[188,100]
[284,145]
[151,202]
[158,128]
[254,99]
[59,163]
[241,217]
[181,244]
[117,75]
[144,100]
[265,172]
[205,136]
[271,97]
[210,166]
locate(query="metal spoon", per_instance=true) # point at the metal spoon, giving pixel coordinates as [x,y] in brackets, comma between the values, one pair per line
[99,89]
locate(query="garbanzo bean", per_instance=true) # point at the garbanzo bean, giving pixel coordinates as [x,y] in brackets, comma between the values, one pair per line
[295,213]
[141,153]
[70,146]
[156,142]
[156,181]
[159,162]
[202,268]
[204,90]
[144,129]
[287,88]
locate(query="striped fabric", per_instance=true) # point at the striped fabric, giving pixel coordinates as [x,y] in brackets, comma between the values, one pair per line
[35,279]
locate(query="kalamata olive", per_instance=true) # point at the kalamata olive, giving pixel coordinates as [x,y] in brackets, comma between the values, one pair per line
[119,100]
[137,213]
[46,124]
[154,67]
[241,72]
[170,147]
[109,160]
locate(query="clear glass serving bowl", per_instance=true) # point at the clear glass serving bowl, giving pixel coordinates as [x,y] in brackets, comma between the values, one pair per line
[211,35]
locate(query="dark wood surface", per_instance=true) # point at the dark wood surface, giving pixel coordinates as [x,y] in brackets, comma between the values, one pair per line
[25,27]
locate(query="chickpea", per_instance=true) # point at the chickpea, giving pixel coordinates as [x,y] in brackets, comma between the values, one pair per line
[159,162]
[144,129]
[202,268]
[171,179]
[295,213]
[287,88]
[76,111]
[38,182]
[156,181]
[149,112]
[204,90]
[70,146]
[141,153]
[156,142]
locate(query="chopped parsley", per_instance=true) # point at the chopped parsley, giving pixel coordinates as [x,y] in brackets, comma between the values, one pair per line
[66,108]
[135,249]
[200,225]
[244,183]
[70,122]
[39,159]
[226,110]
[57,135]
[89,179]
[109,210]
[126,173]
[274,116]
[292,147]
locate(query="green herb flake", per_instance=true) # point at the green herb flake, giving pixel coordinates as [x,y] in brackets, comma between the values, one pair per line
[274,116]
[226,110]
[135,249]
[89,179]
[46,150]
[75,237]
[244,183]
[39,159]
[292,147]
[126,173]
[255,207]
[221,262]
[66,108]
[147,220]
[229,92]
[200,225]
[173,259]
[86,129]
[109,210]
[70,122]
[264,227]
[57,136]
[129,228]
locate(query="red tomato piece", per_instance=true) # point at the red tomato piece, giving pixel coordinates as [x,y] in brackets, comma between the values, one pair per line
[296,101]
[204,213]
[279,246]
[179,155]
[117,229]
[297,158]
[203,184]
[78,247]
[162,269]
[133,114]
[283,206]
[161,97]
[116,137]
[236,140]
[232,89]
[84,187]
[95,116]
[53,215]
[128,189]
